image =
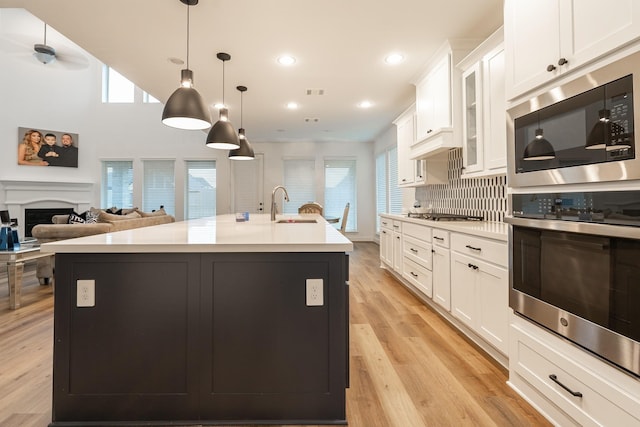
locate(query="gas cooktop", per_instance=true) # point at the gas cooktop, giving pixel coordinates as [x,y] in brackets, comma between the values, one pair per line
[444,217]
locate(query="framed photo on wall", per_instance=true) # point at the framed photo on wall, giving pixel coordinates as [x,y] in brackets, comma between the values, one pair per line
[43,147]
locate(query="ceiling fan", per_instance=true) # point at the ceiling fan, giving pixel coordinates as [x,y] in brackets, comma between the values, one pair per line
[43,52]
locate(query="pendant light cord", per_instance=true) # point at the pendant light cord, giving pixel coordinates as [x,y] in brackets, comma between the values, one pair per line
[241,112]
[188,36]
[45,33]
[223,104]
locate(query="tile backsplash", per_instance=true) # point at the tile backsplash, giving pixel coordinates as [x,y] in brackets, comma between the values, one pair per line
[486,197]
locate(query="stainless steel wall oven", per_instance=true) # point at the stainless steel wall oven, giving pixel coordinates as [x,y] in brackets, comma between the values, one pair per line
[575,269]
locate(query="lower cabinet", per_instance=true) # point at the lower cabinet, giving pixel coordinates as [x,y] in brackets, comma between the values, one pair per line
[479,298]
[213,337]
[566,383]
[441,269]
[480,287]
[386,241]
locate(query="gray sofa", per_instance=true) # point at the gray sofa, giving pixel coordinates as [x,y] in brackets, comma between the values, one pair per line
[107,223]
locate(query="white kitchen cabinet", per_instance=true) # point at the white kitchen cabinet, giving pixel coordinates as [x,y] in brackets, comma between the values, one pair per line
[484,130]
[433,99]
[417,267]
[405,128]
[386,241]
[546,38]
[397,247]
[412,173]
[480,287]
[569,385]
[437,101]
[480,298]
[441,268]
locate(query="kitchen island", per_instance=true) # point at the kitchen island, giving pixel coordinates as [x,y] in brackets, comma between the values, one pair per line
[204,322]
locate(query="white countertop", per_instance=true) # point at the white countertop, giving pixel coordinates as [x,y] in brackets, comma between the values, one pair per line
[491,230]
[214,234]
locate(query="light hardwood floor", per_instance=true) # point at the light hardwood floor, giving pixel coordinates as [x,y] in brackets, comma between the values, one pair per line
[409,368]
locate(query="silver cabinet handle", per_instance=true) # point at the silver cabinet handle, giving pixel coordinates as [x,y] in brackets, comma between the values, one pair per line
[473,248]
[438,238]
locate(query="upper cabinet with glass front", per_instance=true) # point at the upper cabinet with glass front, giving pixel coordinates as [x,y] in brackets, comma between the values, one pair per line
[484,126]
[547,38]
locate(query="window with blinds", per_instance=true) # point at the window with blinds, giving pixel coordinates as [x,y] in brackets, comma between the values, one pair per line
[381,187]
[201,189]
[340,189]
[159,186]
[395,193]
[388,194]
[300,182]
[117,184]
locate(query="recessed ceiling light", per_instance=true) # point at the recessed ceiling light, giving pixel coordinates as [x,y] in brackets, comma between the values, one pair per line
[394,58]
[286,60]
[292,106]
[365,104]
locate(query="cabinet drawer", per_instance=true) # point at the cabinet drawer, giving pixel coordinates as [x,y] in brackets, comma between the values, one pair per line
[396,226]
[417,231]
[417,251]
[478,247]
[418,276]
[600,403]
[386,223]
[440,237]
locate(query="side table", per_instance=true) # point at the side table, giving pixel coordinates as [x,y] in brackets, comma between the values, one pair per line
[15,260]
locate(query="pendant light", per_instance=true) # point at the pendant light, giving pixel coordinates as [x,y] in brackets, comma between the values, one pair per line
[185,108]
[539,148]
[222,135]
[245,152]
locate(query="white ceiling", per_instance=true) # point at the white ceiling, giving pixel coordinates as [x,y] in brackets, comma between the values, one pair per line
[339,45]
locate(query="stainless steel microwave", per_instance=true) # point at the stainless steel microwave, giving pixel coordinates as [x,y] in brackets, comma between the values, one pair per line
[579,132]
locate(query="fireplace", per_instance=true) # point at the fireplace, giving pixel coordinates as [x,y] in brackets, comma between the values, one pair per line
[49,196]
[33,217]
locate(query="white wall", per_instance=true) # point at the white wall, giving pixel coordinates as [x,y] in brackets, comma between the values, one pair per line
[34,95]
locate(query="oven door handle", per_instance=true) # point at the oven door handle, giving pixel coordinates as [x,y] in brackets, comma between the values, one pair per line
[577,227]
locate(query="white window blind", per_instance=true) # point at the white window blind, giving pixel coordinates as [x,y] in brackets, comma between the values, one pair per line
[158,186]
[299,180]
[115,87]
[340,189]
[395,193]
[381,187]
[117,184]
[201,189]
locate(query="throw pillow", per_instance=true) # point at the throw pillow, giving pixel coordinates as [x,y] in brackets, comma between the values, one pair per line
[74,218]
[158,212]
[106,217]
[91,217]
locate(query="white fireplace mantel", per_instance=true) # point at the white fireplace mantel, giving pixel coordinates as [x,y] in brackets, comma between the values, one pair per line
[21,195]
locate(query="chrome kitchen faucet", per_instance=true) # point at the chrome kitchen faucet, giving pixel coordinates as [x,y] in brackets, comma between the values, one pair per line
[273,200]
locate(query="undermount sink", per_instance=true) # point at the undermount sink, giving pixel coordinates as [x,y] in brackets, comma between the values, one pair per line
[296,221]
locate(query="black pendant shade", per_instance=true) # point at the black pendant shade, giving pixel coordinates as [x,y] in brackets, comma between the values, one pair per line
[185,108]
[539,148]
[245,151]
[223,135]
[606,134]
